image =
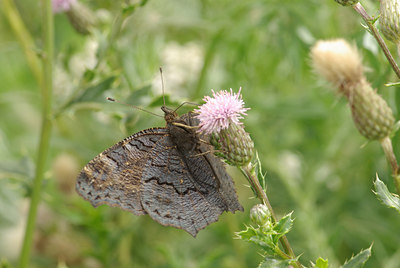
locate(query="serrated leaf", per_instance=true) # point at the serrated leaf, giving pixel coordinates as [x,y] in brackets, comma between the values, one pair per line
[254,236]
[359,260]
[247,234]
[383,194]
[283,226]
[321,263]
[267,245]
[274,263]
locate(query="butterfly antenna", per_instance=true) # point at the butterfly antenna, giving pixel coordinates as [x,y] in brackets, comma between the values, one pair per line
[162,85]
[134,106]
[185,103]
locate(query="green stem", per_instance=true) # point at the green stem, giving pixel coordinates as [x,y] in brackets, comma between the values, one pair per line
[46,91]
[24,38]
[249,172]
[360,10]
[387,147]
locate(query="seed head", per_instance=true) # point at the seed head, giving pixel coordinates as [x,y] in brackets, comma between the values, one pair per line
[337,61]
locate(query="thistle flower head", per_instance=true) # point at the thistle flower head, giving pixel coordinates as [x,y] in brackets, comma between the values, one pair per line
[220,120]
[337,61]
[220,111]
[62,5]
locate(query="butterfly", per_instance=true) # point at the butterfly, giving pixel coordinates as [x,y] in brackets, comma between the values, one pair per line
[166,172]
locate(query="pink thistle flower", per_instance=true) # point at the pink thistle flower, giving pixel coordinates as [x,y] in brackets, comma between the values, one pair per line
[62,5]
[221,110]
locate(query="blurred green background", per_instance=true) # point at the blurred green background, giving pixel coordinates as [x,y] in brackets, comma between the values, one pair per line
[302,130]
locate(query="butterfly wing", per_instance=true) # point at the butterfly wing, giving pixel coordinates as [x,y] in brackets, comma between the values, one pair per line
[114,176]
[180,190]
[226,185]
[184,184]
[180,184]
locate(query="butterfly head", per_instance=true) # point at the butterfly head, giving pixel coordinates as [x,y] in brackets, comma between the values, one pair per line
[169,115]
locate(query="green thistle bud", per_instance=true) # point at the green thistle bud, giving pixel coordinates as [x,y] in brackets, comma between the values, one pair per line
[371,114]
[234,144]
[260,215]
[390,20]
[347,2]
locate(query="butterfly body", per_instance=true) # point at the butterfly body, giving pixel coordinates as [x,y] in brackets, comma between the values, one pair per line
[167,173]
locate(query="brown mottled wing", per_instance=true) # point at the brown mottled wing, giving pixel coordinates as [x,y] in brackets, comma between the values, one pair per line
[114,176]
[165,172]
[182,191]
[185,188]
[226,184]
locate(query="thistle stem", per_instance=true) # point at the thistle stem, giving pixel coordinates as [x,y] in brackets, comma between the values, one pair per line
[360,10]
[249,172]
[45,133]
[387,147]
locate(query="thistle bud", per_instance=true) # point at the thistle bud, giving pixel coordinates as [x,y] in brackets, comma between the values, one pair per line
[260,215]
[234,144]
[347,2]
[390,20]
[341,64]
[219,118]
[371,114]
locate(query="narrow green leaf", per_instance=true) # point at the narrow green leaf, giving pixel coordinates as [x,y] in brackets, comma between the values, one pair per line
[383,194]
[394,84]
[260,175]
[359,260]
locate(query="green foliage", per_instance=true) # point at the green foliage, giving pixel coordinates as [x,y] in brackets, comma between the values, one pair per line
[359,260]
[267,237]
[383,194]
[320,263]
[274,263]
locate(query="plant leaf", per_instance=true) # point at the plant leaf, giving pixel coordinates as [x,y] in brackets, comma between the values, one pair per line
[274,263]
[320,263]
[283,226]
[247,234]
[93,92]
[359,260]
[383,194]
[260,175]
